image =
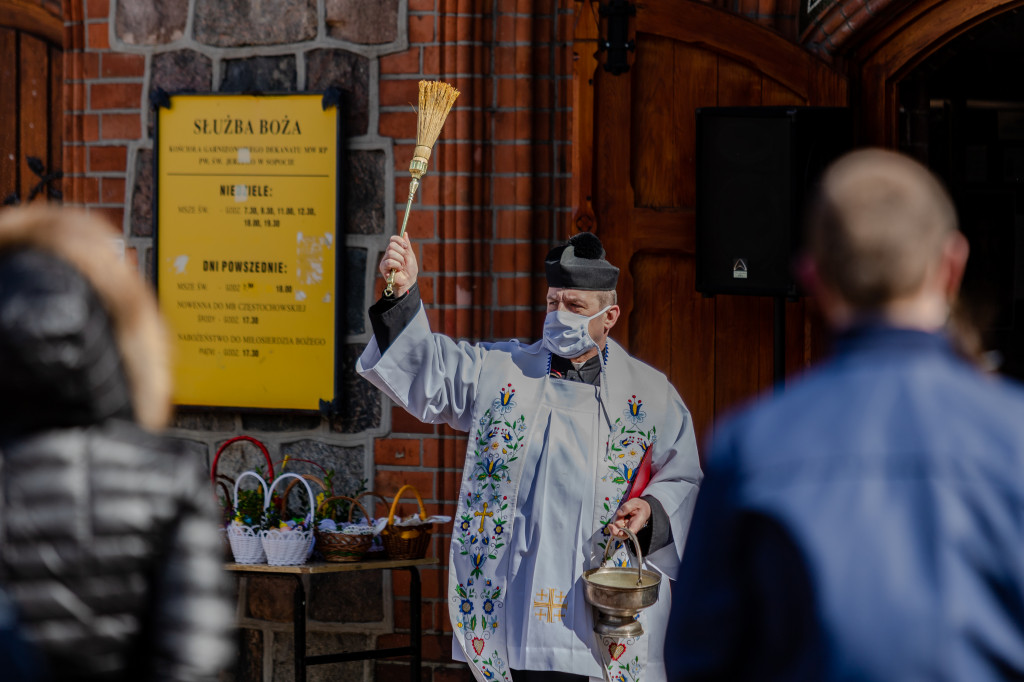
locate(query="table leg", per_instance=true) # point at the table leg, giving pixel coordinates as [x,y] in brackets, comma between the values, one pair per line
[299,629]
[415,630]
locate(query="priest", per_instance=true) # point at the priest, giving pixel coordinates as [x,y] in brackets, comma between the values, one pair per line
[558,430]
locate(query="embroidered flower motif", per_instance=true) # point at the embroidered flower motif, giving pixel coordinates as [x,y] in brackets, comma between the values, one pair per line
[488,606]
[478,560]
[634,412]
[464,525]
[488,675]
[499,528]
[505,401]
[491,468]
[466,607]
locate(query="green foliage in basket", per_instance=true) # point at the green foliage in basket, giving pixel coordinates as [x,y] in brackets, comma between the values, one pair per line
[250,504]
[335,509]
[271,519]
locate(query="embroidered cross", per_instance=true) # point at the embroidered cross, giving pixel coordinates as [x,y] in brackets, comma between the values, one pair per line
[552,608]
[482,515]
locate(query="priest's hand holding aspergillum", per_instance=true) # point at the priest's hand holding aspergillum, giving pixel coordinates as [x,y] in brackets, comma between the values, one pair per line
[401,258]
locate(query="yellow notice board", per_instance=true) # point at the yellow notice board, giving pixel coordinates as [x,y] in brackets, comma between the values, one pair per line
[246,247]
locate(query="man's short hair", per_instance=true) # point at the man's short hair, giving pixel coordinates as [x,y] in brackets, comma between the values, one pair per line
[878,225]
[607,298]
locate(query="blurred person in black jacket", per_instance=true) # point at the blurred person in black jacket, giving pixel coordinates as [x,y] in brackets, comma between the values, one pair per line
[108,534]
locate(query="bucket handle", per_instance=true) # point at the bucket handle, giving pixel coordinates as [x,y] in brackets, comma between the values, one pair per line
[636,546]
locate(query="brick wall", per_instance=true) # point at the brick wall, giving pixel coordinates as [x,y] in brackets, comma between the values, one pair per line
[493,202]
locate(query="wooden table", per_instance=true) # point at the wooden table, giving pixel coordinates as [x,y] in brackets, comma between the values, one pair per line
[299,628]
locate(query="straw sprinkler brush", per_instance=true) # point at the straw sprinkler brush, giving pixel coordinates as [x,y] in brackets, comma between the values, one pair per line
[436,100]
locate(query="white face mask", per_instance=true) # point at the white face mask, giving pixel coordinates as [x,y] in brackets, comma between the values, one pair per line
[567,334]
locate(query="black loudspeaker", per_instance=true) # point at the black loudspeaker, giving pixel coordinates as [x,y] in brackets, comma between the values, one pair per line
[756,168]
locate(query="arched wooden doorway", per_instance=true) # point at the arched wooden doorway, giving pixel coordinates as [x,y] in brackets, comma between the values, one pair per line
[31,107]
[882,60]
[640,182]
[938,82]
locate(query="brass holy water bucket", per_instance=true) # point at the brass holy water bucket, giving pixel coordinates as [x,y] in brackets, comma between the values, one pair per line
[619,594]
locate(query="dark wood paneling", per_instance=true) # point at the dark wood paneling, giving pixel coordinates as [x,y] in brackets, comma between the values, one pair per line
[654,166]
[674,329]
[32,18]
[56,107]
[9,152]
[696,83]
[743,349]
[775,94]
[33,108]
[724,33]
[738,85]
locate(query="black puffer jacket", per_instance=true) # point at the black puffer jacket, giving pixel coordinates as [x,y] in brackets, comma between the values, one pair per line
[108,538]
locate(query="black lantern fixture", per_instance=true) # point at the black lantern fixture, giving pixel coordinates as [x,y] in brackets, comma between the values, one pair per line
[616,42]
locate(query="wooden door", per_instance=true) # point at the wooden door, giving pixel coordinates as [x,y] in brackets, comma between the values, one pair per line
[716,351]
[31,109]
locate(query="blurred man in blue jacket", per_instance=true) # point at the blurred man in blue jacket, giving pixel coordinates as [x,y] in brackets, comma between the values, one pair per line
[867,524]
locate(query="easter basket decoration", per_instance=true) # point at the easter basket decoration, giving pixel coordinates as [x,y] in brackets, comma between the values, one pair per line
[376,550]
[288,542]
[243,531]
[223,482]
[347,541]
[407,538]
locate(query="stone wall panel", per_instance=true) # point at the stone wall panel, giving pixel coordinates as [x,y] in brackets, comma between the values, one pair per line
[240,23]
[350,73]
[259,74]
[365,179]
[359,21]
[360,404]
[142,195]
[354,597]
[151,23]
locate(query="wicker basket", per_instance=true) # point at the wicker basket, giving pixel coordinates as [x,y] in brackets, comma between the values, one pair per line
[289,547]
[406,542]
[338,546]
[246,546]
[377,550]
[224,482]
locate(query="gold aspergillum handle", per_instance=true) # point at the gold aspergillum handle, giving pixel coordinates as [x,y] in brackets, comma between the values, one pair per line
[417,169]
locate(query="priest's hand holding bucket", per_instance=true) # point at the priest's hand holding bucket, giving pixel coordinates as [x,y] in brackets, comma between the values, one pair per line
[633,514]
[400,259]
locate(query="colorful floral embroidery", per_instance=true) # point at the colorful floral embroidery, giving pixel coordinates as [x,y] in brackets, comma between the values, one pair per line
[481,525]
[505,402]
[629,671]
[633,413]
[623,453]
